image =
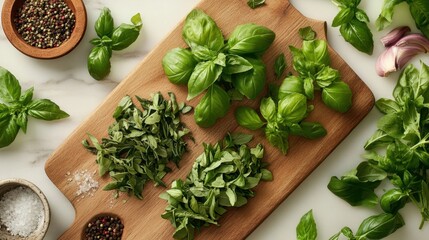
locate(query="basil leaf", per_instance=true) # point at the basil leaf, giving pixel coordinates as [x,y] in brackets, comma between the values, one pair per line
[22,121]
[316,51]
[361,16]
[99,62]
[277,137]
[26,96]
[126,34]
[4,110]
[420,85]
[379,138]
[326,76]
[292,108]
[338,96]
[344,16]
[309,88]
[10,89]
[291,84]
[392,125]
[386,15]
[104,24]
[236,64]
[311,130]
[200,30]
[307,33]
[248,118]
[45,109]
[214,105]
[201,53]
[268,109]
[279,65]
[9,129]
[203,76]
[380,226]
[255,3]
[178,65]
[252,82]
[359,35]
[393,200]
[250,38]
[367,172]
[306,228]
[419,10]
[386,106]
[354,192]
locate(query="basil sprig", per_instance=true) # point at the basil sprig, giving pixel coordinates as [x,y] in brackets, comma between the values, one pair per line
[17,106]
[141,143]
[398,152]
[353,23]
[419,10]
[222,177]
[110,38]
[222,70]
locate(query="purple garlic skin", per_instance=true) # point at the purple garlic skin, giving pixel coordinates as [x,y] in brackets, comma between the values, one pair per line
[401,49]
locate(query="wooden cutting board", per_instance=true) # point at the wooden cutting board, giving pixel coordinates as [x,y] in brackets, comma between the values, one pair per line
[142,217]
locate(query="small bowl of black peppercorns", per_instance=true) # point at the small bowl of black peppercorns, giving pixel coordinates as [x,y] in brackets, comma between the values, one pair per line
[103,226]
[44,29]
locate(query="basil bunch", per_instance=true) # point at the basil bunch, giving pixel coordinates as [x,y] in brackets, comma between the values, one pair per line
[17,106]
[374,227]
[398,151]
[110,38]
[353,23]
[224,70]
[285,111]
[223,176]
[419,10]
[140,144]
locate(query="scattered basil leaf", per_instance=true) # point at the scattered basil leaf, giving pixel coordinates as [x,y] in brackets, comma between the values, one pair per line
[45,109]
[99,62]
[126,34]
[279,65]
[268,109]
[291,84]
[307,33]
[306,228]
[359,35]
[255,3]
[203,76]
[10,89]
[248,118]
[380,226]
[9,129]
[338,96]
[292,109]
[345,15]
[252,82]
[104,24]
[178,65]
[250,38]
[236,64]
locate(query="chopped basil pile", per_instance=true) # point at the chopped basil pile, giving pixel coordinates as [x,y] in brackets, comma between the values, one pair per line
[284,112]
[223,70]
[223,176]
[398,152]
[16,106]
[140,144]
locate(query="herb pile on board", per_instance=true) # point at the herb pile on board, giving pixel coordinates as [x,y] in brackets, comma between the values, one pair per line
[223,176]
[141,143]
[223,70]
[284,113]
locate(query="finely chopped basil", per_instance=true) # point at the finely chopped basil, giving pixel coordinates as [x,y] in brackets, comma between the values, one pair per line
[45,23]
[21,211]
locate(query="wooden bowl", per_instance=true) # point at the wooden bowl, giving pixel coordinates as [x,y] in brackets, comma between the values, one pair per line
[39,233]
[10,8]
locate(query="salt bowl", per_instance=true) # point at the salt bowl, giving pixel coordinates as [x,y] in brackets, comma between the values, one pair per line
[31,220]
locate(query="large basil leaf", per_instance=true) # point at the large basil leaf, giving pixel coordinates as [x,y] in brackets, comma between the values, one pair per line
[420,11]
[9,129]
[380,226]
[344,16]
[178,65]
[291,84]
[386,15]
[10,89]
[354,192]
[104,24]
[45,109]
[203,76]
[402,92]
[236,64]
[252,82]
[316,51]
[306,228]
[124,35]
[201,30]
[99,62]
[359,35]
[292,108]
[250,38]
[386,106]
[311,130]
[247,117]
[338,96]
[213,105]
[393,200]
[268,109]
[379,138]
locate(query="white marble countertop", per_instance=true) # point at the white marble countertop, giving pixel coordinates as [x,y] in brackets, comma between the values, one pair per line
[67,82]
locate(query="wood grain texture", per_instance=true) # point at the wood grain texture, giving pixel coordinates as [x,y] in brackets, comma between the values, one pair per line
[9,10]
[142,218]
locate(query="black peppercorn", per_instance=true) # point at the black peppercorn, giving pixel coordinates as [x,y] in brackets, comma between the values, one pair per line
[105,228]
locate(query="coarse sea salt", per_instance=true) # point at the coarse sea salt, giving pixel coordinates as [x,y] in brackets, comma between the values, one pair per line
[86,183]
[21,211]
